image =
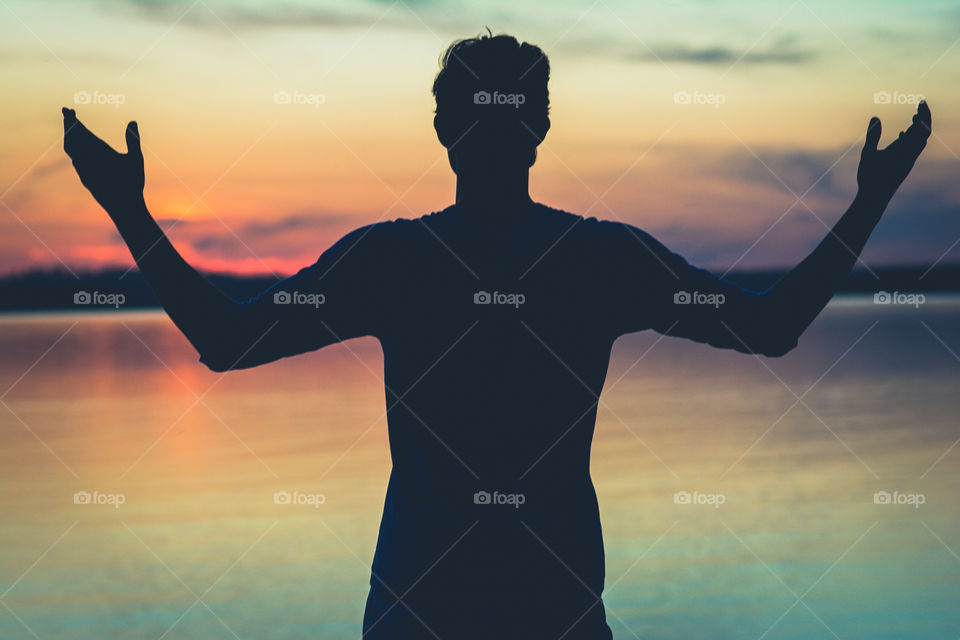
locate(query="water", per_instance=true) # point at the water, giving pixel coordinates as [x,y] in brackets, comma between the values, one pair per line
[116,403]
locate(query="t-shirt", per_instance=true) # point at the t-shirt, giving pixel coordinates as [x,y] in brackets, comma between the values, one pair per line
[496,334]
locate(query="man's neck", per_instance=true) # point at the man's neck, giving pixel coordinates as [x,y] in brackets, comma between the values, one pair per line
[493,194]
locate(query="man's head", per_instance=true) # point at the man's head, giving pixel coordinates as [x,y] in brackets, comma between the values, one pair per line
[492,104]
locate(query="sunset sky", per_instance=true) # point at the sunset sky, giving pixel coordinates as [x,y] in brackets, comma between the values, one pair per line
[247,184]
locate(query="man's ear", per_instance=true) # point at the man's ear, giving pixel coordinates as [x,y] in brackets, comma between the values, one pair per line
[440,126]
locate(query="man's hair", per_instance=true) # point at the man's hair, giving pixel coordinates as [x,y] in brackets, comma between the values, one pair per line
[493,88]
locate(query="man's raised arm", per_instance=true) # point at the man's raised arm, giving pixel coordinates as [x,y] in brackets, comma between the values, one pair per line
[800,296]
[667,294]
[200,310]
[289,318]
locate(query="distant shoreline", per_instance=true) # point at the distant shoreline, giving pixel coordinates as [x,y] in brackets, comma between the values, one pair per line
[58,290]
[841,299]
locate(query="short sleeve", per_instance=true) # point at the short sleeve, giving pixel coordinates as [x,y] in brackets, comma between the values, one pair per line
[340,296]
[652,287]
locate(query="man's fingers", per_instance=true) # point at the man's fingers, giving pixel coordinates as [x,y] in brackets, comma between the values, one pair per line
[915,137]
[133,140]
[923,120]
[71,127]
[82,144]
[873,134]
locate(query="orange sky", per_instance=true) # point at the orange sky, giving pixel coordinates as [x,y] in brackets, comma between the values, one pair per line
[250,185]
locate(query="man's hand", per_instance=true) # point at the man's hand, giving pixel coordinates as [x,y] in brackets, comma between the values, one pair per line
[883,170]
[115,179]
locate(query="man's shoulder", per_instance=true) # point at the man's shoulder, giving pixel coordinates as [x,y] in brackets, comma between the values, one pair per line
[594,229]
[386,231]
[400,227]
[591,229]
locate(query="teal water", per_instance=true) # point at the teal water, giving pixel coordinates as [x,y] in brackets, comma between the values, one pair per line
[116,403]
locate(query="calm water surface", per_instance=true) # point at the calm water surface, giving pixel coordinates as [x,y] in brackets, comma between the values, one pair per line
[116,403]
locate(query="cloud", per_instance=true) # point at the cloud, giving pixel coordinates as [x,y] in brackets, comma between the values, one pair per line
[50,167]
[922,221]
[238,14]
[29,188]
[797,168]
[241,14]
[718,55]
[784,51]
[314,220]
[735,200]
[412,14]
[305,232]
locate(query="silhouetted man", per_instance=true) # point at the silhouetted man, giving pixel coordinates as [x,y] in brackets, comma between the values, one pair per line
[496,317]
